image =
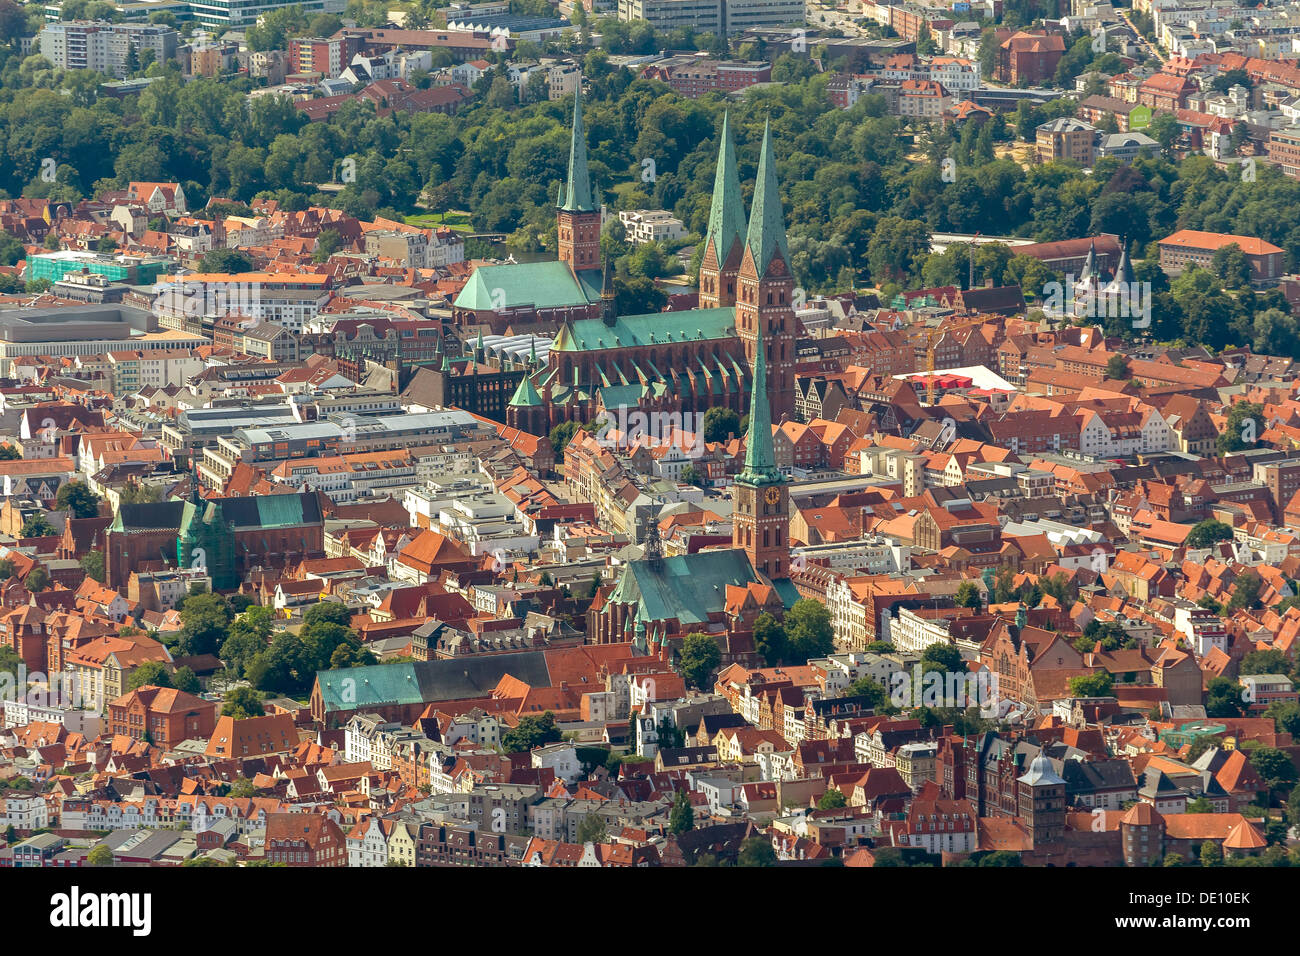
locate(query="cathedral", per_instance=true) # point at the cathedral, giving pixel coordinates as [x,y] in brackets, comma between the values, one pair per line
[686,361]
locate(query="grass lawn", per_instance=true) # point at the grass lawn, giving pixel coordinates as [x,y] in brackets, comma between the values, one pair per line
[455,219]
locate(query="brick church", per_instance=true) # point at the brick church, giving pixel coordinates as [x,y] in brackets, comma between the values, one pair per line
[686,361]
[658,600]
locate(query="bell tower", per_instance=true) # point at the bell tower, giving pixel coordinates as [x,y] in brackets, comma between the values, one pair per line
[577,218]
[765,299]
[760,519]
[724,243]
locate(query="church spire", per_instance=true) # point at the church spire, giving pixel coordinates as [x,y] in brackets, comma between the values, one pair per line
[766,218]
[727,213]
[760,458]
[577,195]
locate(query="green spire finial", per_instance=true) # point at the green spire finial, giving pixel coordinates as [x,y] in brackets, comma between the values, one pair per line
[760,457]
[727,213]
[766,218]
[578,196]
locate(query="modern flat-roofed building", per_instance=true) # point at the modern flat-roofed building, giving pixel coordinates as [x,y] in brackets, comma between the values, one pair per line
[105,47]
[83,330]
[703,16]
[222,15]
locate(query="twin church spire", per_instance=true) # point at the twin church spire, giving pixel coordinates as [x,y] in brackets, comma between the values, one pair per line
[739,269]
[576,196]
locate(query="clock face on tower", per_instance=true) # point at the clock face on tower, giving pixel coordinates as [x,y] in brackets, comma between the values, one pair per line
[773,495]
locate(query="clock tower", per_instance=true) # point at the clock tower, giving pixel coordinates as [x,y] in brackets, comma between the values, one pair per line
[760,495]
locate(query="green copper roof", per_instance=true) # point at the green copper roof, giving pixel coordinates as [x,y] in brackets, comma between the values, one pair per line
[766,219]
[584,335]
[543,285]
[688,587]
[760,458]
[614,396]
[727,214]
[525,395]
[577,197]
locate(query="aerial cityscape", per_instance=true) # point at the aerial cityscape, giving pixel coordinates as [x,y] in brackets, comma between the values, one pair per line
[649,433]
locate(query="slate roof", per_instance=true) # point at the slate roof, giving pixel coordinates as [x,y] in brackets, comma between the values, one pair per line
[149,516]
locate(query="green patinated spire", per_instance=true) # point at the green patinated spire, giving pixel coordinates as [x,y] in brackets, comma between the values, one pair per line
[526,395]
[577,197]
[766,219]
[760,457]
[727,214]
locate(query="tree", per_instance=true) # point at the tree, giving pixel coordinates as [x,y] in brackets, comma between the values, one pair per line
[562,434]
[1274,768]
[1245,592]
[1211,854]
[1230,264]
[205,624]
[1244,426]
[532,731]
[1207,532]
[770,640]
[968,595]
[9,453]
[1200,805]
[229,261]
[878,697]
[1092,685]
[93,564]
[756,851]
[720,424]
[1117,367]
[591,829]
[37,526]
[832,799]
[241,788]
[152,673]
[1223,698]
[186,680]
[327,612]
[99,856]
[681,819]
[77,499]
[944,658]
[1264,662]
[1286,716]
[241,702]
[808,631]
[38,579]
[700,656]
[138,494]
[328,242]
